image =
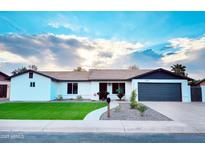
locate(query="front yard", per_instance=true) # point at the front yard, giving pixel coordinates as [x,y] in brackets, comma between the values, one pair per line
[47,111]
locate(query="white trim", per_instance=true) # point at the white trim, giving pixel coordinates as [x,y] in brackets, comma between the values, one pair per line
[203,93]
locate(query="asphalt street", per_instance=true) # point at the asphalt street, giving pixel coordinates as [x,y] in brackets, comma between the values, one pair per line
[19,137]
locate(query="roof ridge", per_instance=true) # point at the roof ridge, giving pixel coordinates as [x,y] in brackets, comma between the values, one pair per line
[62,71]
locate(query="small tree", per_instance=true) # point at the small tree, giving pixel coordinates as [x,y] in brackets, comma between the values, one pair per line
[33,67]
[19,70]
[133,102]
[133,67]
[79,69]
[24,69]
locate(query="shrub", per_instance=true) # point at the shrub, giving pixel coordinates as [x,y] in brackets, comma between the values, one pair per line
[133,105]
[141,108]
[133,96]
[120,93]
[79,97]
[103,94]
[59,98]
[133,102]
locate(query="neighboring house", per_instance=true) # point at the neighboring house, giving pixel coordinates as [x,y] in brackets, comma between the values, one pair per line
[150,85]
[4,86]
[198,91]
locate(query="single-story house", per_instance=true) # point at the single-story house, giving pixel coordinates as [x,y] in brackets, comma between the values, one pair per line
[150,85]
[198,91]
[4,86]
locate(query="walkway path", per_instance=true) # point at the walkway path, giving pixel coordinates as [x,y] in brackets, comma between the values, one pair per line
[95,115]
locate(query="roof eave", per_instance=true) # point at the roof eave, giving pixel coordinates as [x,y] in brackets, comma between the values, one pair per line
[161,69]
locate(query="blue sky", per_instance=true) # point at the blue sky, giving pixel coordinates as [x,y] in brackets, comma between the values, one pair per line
[64,40]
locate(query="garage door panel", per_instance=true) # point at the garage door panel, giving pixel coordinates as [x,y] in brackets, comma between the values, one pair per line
[159,91]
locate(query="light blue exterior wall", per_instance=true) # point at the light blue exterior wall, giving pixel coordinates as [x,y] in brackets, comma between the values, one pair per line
[54,90]
[203,93]
[21,90]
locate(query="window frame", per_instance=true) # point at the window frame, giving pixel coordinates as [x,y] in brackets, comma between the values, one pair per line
[30,76]
[32,84]
[75,88]
[72,88]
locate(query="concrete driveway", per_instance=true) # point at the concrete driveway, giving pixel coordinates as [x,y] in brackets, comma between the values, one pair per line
[191,114]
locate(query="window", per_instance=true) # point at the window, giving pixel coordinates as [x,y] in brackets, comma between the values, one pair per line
[32,84]
[75,88]
[116,86]
[122,86]
[72,88]
[69,88]
[30,75]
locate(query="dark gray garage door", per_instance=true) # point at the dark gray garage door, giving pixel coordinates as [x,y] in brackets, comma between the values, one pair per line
[159,92]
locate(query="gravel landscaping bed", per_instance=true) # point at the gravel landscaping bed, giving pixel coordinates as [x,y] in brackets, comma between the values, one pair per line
[123,112]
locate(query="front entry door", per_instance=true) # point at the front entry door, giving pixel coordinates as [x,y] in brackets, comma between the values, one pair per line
[103,90]
[3,91]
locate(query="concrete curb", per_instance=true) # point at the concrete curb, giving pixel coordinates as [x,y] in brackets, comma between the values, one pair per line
[95,115]
[98,126]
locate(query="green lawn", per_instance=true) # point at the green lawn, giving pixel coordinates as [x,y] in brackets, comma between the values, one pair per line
[45,111]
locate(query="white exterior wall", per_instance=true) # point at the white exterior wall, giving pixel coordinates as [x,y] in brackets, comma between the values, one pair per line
[46,89]
[83,90]
[128,90]
[186,92]
[95,89]
[203,93]
[21,90]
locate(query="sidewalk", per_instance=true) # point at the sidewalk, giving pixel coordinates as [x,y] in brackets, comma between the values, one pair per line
[98,126]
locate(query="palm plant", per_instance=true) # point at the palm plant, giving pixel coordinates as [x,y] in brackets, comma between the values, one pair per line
[179,69]
[120,93]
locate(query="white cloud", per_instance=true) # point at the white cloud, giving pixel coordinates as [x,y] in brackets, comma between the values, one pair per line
[189,52]
[188,49]
[8,57]
[104,53]
[62,52]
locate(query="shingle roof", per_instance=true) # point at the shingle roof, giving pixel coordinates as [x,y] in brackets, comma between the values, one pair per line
[95,74]
[115,74]
[67,75]
[4,74]
[98,74]
[197,83]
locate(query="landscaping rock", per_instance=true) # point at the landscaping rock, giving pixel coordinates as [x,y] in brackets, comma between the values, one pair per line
[123,112]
